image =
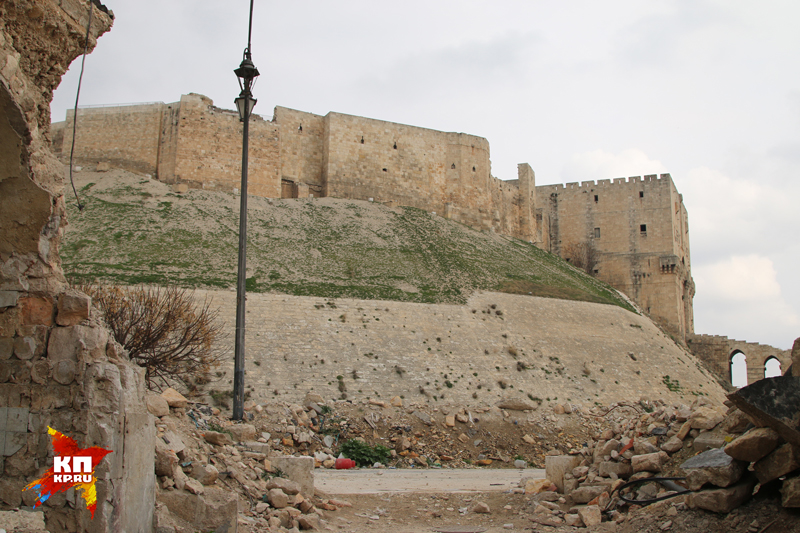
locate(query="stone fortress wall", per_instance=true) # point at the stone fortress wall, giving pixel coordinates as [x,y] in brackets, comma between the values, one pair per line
[299,154]
[638,230]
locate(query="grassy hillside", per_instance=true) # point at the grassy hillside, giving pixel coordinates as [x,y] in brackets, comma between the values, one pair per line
[135,230]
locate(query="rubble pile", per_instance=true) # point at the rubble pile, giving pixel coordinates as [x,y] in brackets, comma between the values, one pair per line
[209,469]
[753,446]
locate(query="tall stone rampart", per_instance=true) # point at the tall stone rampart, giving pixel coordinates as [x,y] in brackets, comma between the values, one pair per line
[638,231]
[497,346]
[58,365]
[636,228]
[127,137]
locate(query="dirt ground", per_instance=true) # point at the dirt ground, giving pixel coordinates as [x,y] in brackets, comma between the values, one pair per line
[451,513]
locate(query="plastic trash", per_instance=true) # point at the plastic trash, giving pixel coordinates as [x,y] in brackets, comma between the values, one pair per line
[343,463]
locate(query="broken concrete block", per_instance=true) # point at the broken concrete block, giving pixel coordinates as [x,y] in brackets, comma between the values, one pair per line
[754,444]
[587,493]
[773,402]
[722,500]
[166,460]
[558,465]
[535,486]
[782,461]
[715,467]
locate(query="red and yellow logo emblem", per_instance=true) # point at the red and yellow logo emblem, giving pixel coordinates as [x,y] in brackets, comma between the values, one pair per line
[72,467]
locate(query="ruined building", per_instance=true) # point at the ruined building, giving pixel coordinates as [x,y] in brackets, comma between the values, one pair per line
[635,230]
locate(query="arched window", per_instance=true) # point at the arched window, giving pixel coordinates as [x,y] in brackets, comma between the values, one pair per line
[738,369]
[772,368]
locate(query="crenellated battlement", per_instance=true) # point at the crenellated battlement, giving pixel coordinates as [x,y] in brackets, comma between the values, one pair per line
[633,180]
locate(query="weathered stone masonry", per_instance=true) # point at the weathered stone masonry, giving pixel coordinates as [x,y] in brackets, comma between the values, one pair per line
[300,154]
[58,366]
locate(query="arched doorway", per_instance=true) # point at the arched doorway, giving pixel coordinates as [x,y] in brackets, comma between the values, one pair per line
[772,368]
[738,369]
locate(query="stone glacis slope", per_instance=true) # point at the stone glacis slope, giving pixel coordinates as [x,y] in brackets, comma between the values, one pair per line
[424,308]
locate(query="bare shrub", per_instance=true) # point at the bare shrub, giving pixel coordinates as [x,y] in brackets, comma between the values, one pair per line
[175,338]
[582,255]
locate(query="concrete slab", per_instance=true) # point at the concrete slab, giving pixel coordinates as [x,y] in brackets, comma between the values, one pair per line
[373,481]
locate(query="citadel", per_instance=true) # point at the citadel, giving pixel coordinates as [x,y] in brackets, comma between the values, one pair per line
[631,233]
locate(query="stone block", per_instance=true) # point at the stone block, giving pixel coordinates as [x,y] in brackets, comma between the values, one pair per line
[24,348]
[175,398]
[587,493]
[780,462]
[707,441]
[706,418]
[558,465]
[535,486]
[621,470]
[64,371]
[156,404]
[205,474]
[715,467]
[243,432]
[796,358]
[165,459]
[277,498]
[722,500]
[773,402]
[9,298]
[736,422]
[672,445]
[6,348]
[74,343]
[215,510]
[73,308]
[36,311]
[513,404]
[22,520]
[649,462]
[590,515]
[790,492]
[754,444]
[216,438]
[297,469]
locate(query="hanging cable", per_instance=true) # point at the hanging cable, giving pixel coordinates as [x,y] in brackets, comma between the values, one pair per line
[75,113]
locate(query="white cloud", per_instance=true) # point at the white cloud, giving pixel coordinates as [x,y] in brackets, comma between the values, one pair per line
[599,164]
[740,297]
[749,278]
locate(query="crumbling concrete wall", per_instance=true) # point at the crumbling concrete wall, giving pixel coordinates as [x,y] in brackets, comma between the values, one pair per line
[717,351]
[58,366]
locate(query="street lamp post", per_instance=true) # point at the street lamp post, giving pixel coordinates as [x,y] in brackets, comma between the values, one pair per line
[246,74]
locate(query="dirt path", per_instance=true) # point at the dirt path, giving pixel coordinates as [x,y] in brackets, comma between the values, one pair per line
[368,481]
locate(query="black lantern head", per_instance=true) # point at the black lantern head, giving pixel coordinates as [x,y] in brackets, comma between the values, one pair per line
[246,73]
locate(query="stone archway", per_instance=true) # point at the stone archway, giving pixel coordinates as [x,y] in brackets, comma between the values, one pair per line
[772,367]
[737,367]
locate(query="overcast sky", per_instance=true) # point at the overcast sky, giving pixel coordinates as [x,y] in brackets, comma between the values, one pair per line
[582,90]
